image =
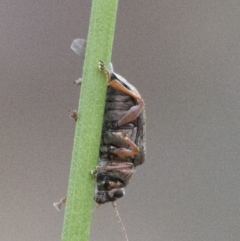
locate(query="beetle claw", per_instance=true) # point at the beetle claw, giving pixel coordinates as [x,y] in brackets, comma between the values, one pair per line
[94,173]
[101,65]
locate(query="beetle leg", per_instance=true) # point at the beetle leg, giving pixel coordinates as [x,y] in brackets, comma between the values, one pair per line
[115,165]
[134,111]
[131,114]
[114,83]
[132,151]
[125,168]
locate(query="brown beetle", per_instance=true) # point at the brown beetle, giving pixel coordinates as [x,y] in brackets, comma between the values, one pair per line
[123,138]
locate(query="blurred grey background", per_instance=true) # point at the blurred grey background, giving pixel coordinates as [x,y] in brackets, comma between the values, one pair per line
[184,57]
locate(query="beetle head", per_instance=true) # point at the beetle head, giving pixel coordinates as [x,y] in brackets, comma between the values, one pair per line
[109,188]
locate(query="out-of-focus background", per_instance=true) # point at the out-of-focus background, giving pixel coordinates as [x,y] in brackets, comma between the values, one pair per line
[184,58]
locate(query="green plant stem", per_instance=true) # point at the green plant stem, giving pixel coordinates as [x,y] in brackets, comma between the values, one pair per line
[80,194]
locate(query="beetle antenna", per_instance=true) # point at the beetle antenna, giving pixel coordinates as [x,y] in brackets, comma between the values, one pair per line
[98,206]
[120,220]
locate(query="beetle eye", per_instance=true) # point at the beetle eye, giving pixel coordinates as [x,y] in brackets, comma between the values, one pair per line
[119,194]
[102,197]
[116,193]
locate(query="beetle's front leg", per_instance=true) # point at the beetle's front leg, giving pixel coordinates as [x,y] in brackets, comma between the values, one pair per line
[134,111]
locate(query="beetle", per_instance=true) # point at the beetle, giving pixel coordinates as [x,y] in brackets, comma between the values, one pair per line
[122,145]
